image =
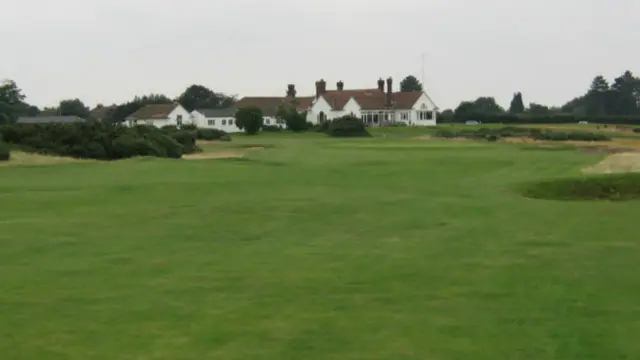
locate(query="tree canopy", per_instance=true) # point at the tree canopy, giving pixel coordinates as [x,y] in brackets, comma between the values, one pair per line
[201,97]
[410,83]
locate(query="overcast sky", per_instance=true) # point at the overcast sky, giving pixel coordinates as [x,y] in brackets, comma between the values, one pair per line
[110,50]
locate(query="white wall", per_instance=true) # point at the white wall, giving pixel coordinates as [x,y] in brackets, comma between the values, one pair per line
[172,119]
[226,123]
[424,103]
[320,105]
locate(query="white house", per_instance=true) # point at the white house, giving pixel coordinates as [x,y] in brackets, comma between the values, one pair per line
[160,115]
[221,119]
[375,107]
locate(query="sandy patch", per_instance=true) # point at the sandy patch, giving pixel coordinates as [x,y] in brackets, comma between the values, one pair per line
[22,158]
[216,155]
[617,163]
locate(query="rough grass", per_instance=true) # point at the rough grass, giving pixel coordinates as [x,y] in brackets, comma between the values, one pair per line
[602,187]
[312,251]
[23,158]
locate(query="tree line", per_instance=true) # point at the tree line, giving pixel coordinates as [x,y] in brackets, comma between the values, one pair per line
[13,104]
[618,99]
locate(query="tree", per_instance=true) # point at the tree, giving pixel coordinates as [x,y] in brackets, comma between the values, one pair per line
[517,105]
[201,97]
[294,120]
[410,83]
[538,109]
[249,119]
[73,107]
[11,101]
[599,99]
[626,89]
[487,105]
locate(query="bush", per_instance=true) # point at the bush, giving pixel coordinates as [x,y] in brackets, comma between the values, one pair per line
[95,140]
[250,120]
[225,138]
[187,139]
[492,138]
[636,130]
[271,128]
[5,151]
[210,134]
[191,127]
[602,187]
[347,126]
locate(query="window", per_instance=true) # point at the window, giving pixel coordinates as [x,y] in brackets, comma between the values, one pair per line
[179,120]
[211,122]
[267,121]
[230,121]
[224,121]
[424,115]
[404,115]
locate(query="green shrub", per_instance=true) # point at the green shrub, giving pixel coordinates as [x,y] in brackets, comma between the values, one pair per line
[187,139]
[347,126]
[225,138]
[191,127]
[210,134]
[602,187]
[95,140]
[249,119]
[636,130]
[169,128]
[5,151]
[492,138]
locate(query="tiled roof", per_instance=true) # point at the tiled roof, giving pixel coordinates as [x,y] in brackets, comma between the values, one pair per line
[214,113]
[100,111]
[372,99]
[153,111]
[270,105]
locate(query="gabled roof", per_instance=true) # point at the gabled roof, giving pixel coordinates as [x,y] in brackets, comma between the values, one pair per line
[270,104]
[215,113]
[154,111]
[50,120]
[372,99]
[100,111]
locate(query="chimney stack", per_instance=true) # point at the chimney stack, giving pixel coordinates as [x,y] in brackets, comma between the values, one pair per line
[291,91]
[318,89]
[323,86]
[381,84]
[340,85]
[389,91]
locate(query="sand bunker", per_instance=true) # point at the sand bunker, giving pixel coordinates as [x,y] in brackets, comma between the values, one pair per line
[617,163]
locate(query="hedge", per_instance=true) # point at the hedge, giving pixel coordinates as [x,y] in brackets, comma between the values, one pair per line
[102,141]
[347,126]
[493,134]
[557,118]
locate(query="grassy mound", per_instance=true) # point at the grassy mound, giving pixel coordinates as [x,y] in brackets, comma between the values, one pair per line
[602,187]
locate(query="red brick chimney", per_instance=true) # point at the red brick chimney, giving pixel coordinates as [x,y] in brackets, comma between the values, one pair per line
[381,84]
[389,91]
[340,85]
[291,91]
[318,89]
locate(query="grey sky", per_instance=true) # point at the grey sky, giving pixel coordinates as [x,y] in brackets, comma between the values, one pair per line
[110,50]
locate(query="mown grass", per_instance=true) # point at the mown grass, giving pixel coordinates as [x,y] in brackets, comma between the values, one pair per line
[344,250]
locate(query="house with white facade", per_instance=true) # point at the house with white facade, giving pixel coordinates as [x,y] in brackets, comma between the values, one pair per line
[221,119]
[378,106]
[160,115]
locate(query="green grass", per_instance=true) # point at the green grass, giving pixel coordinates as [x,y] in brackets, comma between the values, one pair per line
[316,248]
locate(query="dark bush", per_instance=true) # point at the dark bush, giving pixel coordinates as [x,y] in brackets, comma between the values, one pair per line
[5,151]
[225,138]
[271,128]
[210,134]
[636,130]
[249,119]
[169,128]
[96,140]
[492,138]
[602,187]
[187,139]
[347,126]
[189,127]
